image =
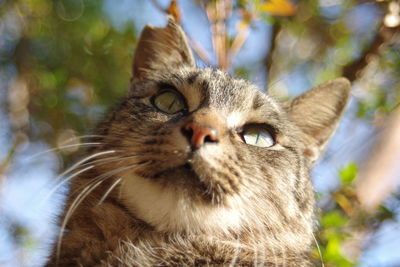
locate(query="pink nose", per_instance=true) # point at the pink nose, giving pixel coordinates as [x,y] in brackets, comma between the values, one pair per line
[199,134]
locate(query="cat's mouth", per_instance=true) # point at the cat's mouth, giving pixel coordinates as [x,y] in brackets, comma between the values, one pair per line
[185,177]
[206,185]
[183,174]
[188,167]
[206,173]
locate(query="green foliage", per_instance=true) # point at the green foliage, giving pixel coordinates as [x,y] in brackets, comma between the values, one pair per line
[334,229]
[243,73]
[383,214]
[23,237]
[332,237]
[72,58]
[342,217]
[334,219]
[348,174]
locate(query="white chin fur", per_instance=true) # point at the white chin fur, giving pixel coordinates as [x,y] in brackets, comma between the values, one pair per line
[170,210]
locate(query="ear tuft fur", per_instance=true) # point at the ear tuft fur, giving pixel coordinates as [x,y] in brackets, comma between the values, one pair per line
[161,48]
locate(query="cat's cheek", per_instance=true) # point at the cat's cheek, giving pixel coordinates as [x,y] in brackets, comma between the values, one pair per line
[178,140]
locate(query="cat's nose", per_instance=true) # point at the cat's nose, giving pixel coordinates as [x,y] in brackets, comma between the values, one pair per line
[198,134]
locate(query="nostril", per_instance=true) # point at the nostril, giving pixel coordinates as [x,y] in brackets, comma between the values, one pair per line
[210,139]
[198,134]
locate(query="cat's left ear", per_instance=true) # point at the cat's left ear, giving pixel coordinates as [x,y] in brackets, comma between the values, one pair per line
[161,48]
[317,113]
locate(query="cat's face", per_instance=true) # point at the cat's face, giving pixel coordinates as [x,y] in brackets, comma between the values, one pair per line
[201,152]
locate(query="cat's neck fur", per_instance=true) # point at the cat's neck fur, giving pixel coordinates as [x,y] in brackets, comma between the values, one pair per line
[109,235]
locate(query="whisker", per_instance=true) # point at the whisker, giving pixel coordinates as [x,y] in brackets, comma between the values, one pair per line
[74,204]
[65,181]
[109,190]
[79,138]
[81,196]
[63,147]
[84,160]
[72,168]
[319,250]
[113,159]
[108,174]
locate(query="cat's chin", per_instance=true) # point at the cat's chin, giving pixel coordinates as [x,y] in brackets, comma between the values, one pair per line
[182,176]
[185,178]
[179,208]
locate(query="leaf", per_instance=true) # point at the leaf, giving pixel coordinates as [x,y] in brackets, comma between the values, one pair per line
[333,219]
[333,254]
[174,11]
[343,201]
[348,173]
[385,213]
[278,8]
[242,72]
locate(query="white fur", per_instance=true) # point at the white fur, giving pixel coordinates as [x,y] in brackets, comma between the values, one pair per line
[234,119]
[168,209]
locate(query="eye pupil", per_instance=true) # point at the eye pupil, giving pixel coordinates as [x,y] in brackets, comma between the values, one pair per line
[170,102]
[171,105]
[258,136]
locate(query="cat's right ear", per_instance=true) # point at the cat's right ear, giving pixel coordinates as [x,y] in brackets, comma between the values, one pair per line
[317,113]
[161,48]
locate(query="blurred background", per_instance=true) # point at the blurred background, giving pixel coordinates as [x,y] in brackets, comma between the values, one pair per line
[63,63]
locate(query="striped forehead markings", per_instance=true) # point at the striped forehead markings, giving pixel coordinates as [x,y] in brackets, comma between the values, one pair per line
[191,79]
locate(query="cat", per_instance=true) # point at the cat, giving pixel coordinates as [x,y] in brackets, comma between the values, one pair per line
[197,168]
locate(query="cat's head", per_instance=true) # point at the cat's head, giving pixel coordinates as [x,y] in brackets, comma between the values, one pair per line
[201,152]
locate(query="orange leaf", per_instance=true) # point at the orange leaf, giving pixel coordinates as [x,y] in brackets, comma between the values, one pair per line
[278,8]
[174,11]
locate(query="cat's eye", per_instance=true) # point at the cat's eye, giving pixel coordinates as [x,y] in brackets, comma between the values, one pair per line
[258,136]
[169,102]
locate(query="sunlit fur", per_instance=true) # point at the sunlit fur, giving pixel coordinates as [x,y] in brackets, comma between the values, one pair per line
[154,200]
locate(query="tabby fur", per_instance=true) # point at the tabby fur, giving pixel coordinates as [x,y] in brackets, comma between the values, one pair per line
[149,198]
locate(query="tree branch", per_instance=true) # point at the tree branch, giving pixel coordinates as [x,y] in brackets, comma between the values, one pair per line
[276,28]
[352,70]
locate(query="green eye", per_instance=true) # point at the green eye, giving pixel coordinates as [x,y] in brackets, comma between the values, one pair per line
[169,102]
[258,136]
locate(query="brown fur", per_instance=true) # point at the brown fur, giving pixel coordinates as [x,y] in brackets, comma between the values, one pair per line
[225,203]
